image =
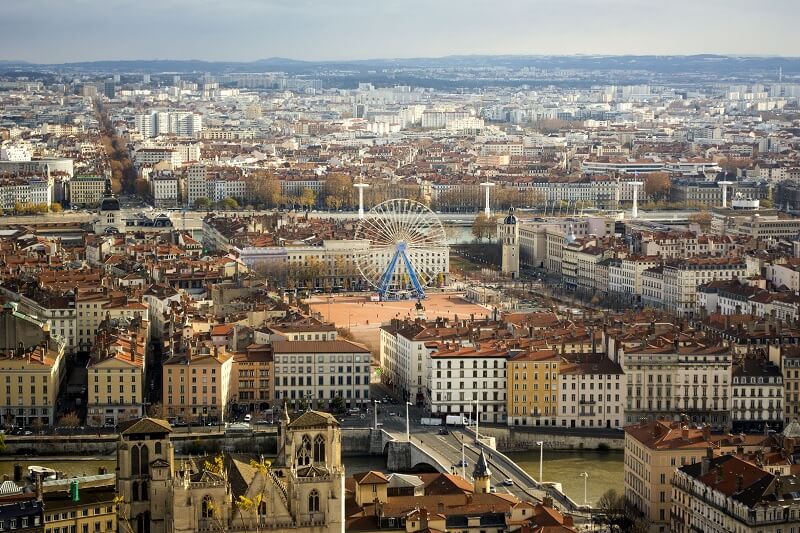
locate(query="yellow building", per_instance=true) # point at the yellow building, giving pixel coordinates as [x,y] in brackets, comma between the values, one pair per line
[31,369]
[249,378]
[93,512]
[532,394]
[93,306]
[116,372]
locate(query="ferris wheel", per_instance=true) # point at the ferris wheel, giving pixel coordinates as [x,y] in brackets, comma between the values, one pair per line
[408,248]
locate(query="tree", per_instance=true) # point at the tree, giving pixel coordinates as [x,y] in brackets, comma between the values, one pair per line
[484,227]
[70,420]
[766,203]
[308,198]
[702,219]
[345,333]
[155,410]
[337,191]
[141,187]
[55,207]
[228,203]
[266,189]
[620,514]
[657,185]
[337,404]
[202,203]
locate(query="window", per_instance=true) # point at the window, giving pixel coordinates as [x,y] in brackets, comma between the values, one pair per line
[319,449]
[313,501]
[207,507]
[304,452]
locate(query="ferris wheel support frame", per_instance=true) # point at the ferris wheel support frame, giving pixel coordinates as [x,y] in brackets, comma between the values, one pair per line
[386,277]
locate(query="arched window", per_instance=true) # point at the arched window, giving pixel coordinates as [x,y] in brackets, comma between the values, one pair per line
[158,448]
[144,459]
[135,490]
[262,508]
[304,452]
[135,461]
[313,501]
[143,522]
[145,493]
[207,508]
[319,449]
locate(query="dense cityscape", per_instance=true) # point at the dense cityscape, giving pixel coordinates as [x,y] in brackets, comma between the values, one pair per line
[489,293]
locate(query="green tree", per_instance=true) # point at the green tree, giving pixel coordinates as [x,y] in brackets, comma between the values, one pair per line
[228,203]
[202,203]
[337,404]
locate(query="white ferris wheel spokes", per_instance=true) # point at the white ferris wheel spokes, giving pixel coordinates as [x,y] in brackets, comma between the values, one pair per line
[405,237]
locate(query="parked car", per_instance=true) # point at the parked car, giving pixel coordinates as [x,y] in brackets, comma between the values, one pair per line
[508,482]
[248,418]
[443,431]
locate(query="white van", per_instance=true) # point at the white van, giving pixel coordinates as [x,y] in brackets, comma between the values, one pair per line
[247,418]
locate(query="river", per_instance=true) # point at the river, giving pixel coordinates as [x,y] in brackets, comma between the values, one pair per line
[604,468]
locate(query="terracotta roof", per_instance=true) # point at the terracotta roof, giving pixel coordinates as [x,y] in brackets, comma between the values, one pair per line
[337,346]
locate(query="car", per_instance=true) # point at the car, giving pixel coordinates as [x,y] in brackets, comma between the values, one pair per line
[508,482]
[492,489]
[393,413]
[462,462]
[248,418]
[443,431]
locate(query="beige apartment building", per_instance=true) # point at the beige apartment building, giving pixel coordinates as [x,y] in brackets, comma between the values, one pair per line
[249,378]
[192,385]
[86,191]
[32,369]
[95,305]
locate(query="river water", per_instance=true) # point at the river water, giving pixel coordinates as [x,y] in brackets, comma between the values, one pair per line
[604,468]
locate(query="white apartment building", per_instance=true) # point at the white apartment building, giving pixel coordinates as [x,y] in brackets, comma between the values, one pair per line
[320,371]
[757,396]
[229,187]
[653,287]
[179,123]
[467,380]
[165,190]
[671,378]
[625,275]
[24,191]
[15,153]
[403,357]
[151,156]
[681,280]
[58,312]
[591,392]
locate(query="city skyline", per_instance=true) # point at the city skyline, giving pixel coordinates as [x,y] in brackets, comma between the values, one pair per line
[45,31]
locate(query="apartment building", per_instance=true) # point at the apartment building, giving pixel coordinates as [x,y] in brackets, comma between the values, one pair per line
[250,376]
[757,395]
[32,368]
[318,372]
[532,388]
[25,191]
[682,278]
[196,187]
[86,191]
[787,359]
[165,190]
[652,453]
[94,305]
[728,493]
[690,376]
[467,380]
[625,274]
[192,384]
[591,392]
[116,376]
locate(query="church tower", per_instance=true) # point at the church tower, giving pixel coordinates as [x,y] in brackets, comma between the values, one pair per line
[145,459]
[509,238]
[110,213]
[482,475]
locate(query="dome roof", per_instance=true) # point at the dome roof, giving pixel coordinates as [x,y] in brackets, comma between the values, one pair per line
[510,218]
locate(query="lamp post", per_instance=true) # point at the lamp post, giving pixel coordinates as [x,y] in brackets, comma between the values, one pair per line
[463,462]
[375,413]
[540,444]
[585,477]
[477,422]
[408,433]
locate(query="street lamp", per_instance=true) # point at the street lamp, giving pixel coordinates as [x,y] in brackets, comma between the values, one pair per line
[375,413]
[477,421]
[408,434]
[540,444]
[463,462]
[585,477]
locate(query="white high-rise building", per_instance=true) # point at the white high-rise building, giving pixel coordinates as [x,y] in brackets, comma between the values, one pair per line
[180,123]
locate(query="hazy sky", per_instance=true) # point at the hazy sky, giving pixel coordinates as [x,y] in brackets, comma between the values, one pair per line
[74,30]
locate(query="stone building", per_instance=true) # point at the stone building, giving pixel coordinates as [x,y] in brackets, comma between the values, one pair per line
[301,490]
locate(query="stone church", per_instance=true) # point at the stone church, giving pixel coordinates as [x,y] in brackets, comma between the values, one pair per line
[302,489]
